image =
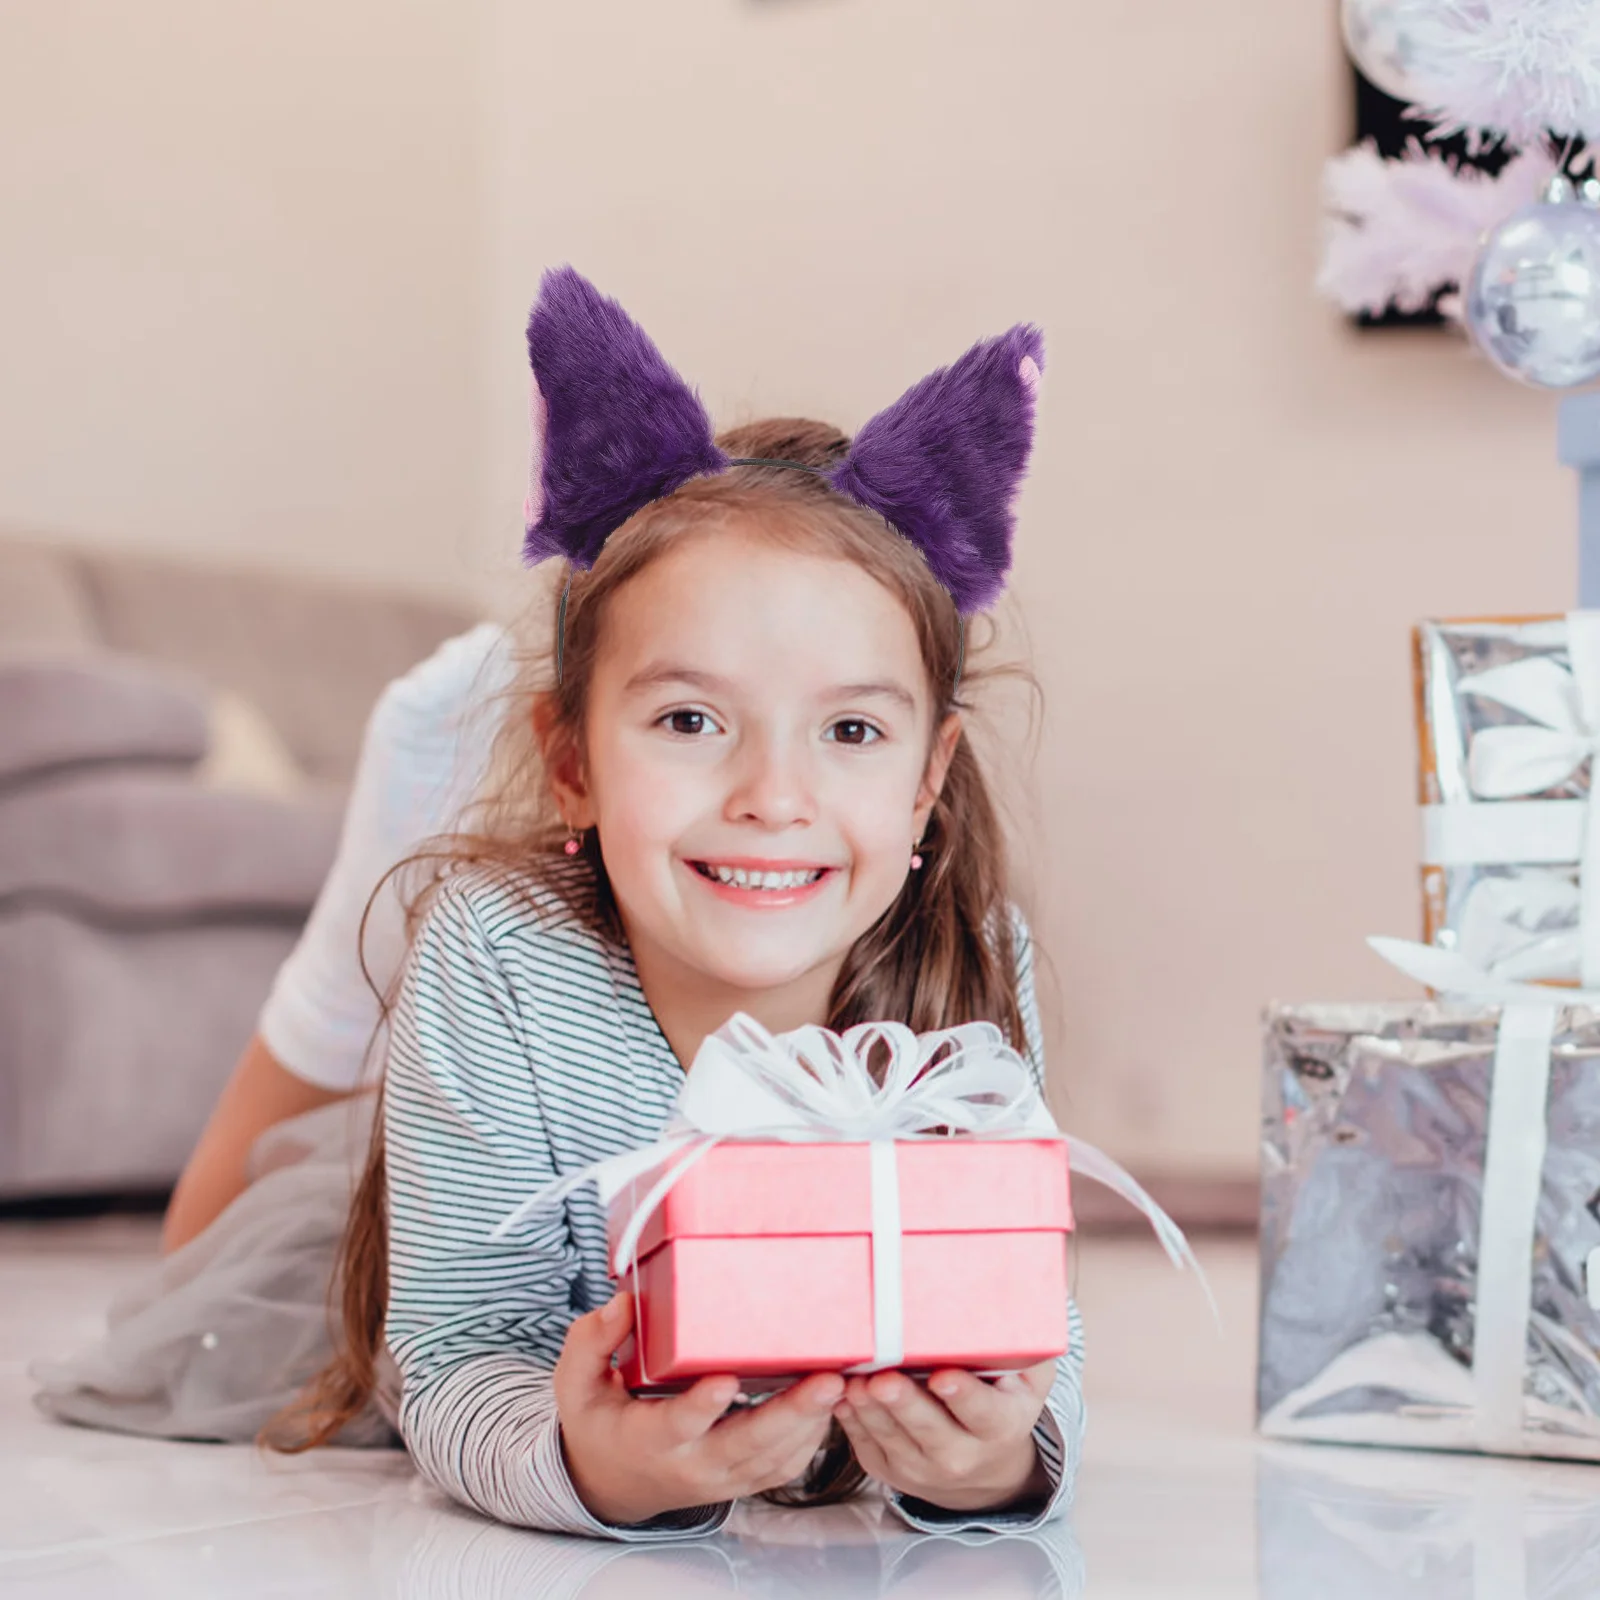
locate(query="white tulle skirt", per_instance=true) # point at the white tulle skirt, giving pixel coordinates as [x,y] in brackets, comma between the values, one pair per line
[226,1332]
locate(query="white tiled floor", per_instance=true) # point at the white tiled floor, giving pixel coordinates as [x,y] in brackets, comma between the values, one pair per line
[1176,1498]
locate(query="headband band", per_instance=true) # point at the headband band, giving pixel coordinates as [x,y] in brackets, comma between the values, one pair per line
[741,461]
[614,427]
[763,461]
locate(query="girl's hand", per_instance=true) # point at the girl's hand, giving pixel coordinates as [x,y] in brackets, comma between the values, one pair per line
[966,1446]
[631,1460]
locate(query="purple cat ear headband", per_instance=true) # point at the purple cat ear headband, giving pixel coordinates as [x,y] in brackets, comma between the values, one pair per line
[614,427]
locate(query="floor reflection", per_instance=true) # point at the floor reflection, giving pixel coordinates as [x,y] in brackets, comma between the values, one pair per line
[1393,1525]
[838,1551]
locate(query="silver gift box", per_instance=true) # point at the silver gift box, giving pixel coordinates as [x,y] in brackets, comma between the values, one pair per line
[1512,911]
[1372,1183]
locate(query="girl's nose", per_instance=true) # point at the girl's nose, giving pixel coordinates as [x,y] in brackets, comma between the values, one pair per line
[772,786]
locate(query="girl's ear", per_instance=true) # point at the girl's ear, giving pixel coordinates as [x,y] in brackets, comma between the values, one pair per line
[563,765]
[945,739]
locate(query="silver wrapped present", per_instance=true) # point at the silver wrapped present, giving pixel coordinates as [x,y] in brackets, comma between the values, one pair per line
[1508,714]
[1431,1224]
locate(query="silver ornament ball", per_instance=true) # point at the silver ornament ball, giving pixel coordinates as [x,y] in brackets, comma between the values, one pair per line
[1379,43]
[1532,301]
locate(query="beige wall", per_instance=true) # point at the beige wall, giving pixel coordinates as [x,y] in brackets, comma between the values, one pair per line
[238,279]
[1238,507]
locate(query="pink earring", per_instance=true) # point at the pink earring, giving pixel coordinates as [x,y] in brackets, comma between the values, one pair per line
[916,857]
[574,844]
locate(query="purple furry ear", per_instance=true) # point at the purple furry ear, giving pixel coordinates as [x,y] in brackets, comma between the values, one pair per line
[944,463]
[614,427]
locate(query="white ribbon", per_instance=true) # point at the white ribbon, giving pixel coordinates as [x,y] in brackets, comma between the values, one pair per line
[1506,764]
[1525,833]
[815,1085]
[888,1272]
[1513,1167]
[1524,928]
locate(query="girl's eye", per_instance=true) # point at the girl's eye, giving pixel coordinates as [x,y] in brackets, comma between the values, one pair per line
[852,730]
[688,722]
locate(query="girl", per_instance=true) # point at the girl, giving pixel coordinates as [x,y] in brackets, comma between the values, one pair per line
[744,786]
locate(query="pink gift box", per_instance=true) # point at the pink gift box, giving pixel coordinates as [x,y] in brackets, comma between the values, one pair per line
[759,1260]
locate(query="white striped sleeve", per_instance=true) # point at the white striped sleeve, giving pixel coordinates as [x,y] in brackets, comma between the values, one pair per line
[1058,1434]
[475,1324]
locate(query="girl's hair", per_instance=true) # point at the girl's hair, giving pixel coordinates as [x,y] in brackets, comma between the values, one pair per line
[942,954]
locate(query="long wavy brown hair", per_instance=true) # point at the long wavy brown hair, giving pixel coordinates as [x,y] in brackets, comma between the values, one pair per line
[941,954]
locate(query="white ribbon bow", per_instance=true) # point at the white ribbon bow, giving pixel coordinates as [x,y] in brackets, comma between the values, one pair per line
[1560,734]
[1524,928]
[815,1085]
[1513,1170]
[1455,975]
[1517,925]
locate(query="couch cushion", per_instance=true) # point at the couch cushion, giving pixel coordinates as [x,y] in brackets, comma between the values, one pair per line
[247,753]
[131,849]
[312,656]
[42,603]
[60,711]
[116,1047]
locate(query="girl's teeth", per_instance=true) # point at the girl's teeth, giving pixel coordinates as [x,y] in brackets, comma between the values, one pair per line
[739,878]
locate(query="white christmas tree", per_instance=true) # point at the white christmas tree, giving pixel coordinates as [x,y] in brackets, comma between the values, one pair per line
[1523,245]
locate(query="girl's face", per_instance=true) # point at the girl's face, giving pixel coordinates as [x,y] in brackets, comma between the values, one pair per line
[759,760]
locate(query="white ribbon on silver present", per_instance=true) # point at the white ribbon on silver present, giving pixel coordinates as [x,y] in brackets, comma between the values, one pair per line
[813,1085]
[1513,1169]
[1536,925]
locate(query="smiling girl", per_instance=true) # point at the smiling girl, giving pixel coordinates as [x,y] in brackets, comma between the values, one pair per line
[732,777]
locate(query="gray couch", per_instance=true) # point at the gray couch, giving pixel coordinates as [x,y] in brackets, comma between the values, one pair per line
[174,746]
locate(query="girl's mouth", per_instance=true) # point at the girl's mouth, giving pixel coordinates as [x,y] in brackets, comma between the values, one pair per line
[756,883]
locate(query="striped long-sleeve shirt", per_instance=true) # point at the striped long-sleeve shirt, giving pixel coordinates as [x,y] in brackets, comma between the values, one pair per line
[523,1049]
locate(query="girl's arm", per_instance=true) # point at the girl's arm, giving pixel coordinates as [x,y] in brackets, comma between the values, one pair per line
[261,1093]
[476,1325]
